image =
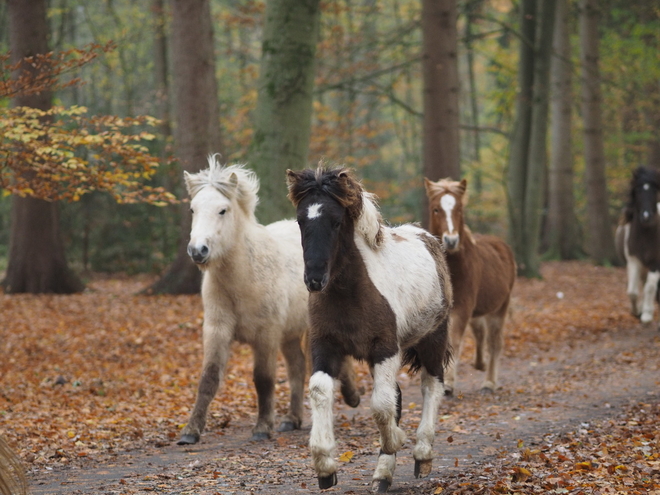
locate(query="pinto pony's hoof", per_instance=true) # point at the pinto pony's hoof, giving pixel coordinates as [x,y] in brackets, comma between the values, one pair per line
[326,482]
[423,468]
[380,486]
[486,391]
[188,439]
[287,426]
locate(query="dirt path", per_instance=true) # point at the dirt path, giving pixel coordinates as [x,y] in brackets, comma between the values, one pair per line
[546,390]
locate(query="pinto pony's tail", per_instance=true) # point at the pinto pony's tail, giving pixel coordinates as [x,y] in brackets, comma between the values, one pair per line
[12,475]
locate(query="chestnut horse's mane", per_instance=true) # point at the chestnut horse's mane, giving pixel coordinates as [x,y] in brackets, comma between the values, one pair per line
[342,185]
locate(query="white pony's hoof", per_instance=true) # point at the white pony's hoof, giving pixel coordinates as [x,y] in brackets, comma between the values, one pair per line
[646,318]
[188,439]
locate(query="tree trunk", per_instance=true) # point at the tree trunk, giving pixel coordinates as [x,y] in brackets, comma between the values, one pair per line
[37,262]
[161,69]
[519,146]
[197,125]
[600,237]
[441,151]
[284,105]
[562,236]
[536,161]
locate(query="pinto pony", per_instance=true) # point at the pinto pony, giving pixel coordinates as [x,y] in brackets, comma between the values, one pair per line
[377,294]
[483,271]
[252,291]
[638,241]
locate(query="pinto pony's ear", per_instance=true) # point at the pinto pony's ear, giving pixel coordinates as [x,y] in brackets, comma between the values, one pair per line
[292,180]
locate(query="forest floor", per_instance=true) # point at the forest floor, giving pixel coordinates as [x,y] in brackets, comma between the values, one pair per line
[95,387]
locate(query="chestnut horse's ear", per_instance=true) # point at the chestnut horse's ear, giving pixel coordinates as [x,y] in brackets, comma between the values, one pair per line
[463,186]
[428,185]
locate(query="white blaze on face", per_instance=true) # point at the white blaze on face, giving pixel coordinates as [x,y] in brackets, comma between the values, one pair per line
[314,211]
[447,203]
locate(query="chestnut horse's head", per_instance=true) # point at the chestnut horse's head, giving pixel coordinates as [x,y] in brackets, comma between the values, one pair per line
[446,201]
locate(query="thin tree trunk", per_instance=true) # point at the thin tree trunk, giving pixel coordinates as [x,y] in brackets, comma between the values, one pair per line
[519,146]
[563,238]
[37,261]
[601,239]
[161,69]
[283,117]
[441,146]
[536,163]
[197,131]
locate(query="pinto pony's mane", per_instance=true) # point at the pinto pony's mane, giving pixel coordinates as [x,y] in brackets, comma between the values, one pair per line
[641,175]
[342,185]
[233,181]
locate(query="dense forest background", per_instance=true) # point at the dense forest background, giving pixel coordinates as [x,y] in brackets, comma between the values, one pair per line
[368,107]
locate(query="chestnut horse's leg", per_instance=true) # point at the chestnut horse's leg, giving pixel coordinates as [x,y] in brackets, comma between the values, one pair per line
[265,368]
[386,409]
[217,338]
[458,320]
[296,369]
[495,342]
[479,330]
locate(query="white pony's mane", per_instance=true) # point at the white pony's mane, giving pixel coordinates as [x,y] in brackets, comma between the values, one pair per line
[370,223]
[234,181]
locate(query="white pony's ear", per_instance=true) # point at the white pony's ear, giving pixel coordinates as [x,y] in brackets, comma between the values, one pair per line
[188,180]
[233,180]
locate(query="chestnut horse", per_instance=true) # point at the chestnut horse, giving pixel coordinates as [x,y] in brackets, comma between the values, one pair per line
[378,294]
[483,271]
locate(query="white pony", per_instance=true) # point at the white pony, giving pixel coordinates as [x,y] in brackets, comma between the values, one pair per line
[252,291]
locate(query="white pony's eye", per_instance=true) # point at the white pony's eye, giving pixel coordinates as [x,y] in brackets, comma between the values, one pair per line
[192,211]
[223,211]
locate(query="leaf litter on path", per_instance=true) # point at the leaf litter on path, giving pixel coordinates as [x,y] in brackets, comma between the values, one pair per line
[95,387]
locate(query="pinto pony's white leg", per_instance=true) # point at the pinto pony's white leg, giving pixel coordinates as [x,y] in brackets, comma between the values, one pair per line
[432,392]
[634,272]
[385,407]
[650,288]
[322,438]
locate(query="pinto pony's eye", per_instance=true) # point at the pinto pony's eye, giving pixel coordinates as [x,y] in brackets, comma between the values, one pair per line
[223,211]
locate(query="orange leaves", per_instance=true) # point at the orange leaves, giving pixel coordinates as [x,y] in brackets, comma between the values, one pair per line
[61,154]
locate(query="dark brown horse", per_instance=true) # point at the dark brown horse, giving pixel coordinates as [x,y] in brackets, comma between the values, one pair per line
[482,271]
[377,294]
[638,241]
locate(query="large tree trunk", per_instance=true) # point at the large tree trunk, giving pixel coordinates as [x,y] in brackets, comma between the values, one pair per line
[37,262]
[536,161]
[562,235]
[600,237]
[283,117]
[519,146]
[197,123]
[441,150]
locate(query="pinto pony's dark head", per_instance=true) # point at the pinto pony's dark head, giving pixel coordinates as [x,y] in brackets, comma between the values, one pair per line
[643,200]
[328,202]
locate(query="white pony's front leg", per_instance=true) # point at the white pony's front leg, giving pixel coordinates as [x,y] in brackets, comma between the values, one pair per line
[432,392]
[384,406]
[634,272]
[650,288]
[217,337]
[322,438]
